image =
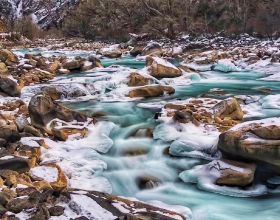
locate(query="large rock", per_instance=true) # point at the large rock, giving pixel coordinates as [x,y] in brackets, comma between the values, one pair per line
[9,133]
[160,68]
[113,54]
[136,79]
[9,86]
[42,109]
[229,108]
[152,49]
[234,173]
[17,164]
[73,65]
[151,91]
[64,133]
[7,56]
[54,67]
[257,141]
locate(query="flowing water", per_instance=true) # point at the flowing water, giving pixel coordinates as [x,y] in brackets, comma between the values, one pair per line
[138,165]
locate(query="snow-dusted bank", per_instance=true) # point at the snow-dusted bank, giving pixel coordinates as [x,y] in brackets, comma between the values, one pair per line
[185,132]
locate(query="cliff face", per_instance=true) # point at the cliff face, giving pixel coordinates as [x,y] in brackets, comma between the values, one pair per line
[45,13]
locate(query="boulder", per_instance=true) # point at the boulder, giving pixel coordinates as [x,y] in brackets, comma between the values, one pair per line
[234,173]
[33,131]
[36,76]
[9,133]
[3,68]
[7,55]
[255,141]
[113,54]
[63,134]
[54,67]
[42,109]
[160,68]
[96,62]
[152,49]
[9,86]
[52,91]
[19,204]
[18,164]
[229,108]
[41,213]
[151,91]
[73,65]
[135,79]
[56,210]
[137,50]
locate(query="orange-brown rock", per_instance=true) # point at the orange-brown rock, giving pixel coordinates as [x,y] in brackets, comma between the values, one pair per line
[63,133]
[135,79]
[160,68]
[151,91]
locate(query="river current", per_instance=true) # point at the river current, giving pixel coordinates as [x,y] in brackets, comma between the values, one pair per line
[138,165]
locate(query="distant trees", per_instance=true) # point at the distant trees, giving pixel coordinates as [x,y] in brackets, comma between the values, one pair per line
[116,18]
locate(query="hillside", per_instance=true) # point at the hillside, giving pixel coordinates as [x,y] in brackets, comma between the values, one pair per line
[44,13]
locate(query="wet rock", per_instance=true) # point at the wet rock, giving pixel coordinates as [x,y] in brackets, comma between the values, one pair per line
[19,204]
[73,65]
[151,91]
[229,108]
[9,86]
[3,69]
[147,182]
[52,92]
[271,132]
[54,67]
[33,131]
[96,62]
[36,76]
[56,210]
[9,133]
[63,134]
[19,165]
[25,191]
[257,141]
[233,173]
[160,68]
[43,109]
[9,177]
[113,54]
[137,50]
[135,79]
[185,117]
[152,49]
[4,198]
[7,56]
[41,213]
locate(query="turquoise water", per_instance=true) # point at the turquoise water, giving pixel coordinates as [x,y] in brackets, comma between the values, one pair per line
[125,171]
[135,159]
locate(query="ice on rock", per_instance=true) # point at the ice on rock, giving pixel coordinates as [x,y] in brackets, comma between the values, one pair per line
[49,174]
[226,66]
[205,177]
[188,139]
[79,159]
[82,205]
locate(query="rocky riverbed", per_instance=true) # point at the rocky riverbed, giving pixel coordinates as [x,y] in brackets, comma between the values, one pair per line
[142,130]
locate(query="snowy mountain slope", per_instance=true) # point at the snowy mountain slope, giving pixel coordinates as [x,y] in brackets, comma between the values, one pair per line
[44,12]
